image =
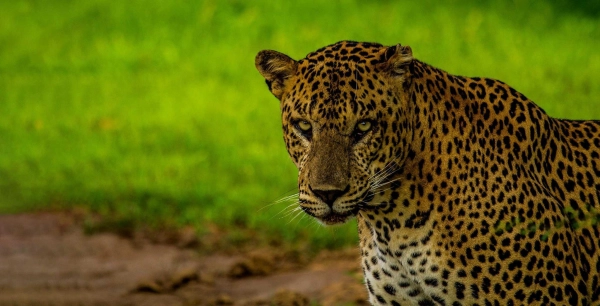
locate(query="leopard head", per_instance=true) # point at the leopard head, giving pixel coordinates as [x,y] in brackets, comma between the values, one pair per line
[345,122]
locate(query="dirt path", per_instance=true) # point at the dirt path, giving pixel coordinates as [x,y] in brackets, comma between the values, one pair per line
[45,259]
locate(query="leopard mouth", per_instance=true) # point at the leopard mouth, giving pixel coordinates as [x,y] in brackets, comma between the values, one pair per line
[334,218]
[350,209]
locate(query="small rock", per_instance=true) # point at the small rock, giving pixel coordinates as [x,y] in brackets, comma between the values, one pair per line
[344,293]
[256,265]
[257,303]
[183,277]
[289,298]
[151,286]
[207,279]
[187,237]
[221,300]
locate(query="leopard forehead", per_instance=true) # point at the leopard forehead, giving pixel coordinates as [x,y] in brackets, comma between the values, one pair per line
[346,51]
[338,85]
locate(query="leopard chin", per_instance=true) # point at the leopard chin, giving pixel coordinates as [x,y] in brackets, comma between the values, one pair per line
[334,218]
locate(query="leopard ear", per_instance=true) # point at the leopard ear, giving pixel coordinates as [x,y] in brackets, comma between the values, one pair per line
[276,68]
[396,60]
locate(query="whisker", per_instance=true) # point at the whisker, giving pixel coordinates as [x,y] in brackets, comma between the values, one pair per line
[316,225]
[286,210]
[375,186]
[292,196]
[290,212]
[381,171]
[296,216]
[382,190]
[300,220]
[284,199]
[391,162]
[377,204]
[389,168]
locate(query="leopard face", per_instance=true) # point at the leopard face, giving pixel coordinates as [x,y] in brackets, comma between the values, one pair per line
[340,116]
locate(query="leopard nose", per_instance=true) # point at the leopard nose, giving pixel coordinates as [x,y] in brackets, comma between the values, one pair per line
[329,196]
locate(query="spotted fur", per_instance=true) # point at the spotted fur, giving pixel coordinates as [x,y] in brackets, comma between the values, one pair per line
[465,191]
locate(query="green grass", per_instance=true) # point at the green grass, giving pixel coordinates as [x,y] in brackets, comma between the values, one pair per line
[152,111]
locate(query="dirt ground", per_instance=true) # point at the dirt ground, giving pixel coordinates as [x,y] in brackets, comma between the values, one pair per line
[46,259]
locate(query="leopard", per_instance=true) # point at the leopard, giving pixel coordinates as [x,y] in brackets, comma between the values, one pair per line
[465,192]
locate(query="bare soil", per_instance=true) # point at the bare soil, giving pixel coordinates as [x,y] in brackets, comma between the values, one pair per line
[46,259]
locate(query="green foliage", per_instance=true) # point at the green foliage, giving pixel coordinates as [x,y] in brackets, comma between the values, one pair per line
[152,110]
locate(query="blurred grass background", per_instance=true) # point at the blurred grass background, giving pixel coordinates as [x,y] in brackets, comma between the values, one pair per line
[152,113]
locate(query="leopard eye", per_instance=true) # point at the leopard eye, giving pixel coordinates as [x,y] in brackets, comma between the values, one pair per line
[303,125]
[305,128]
[363,126]
[361,129]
